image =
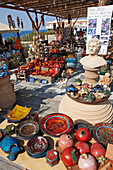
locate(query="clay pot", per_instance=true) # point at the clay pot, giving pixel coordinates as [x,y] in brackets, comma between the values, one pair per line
[7,94]
[34,116]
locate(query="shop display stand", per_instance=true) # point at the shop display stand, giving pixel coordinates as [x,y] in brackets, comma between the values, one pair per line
[95,113]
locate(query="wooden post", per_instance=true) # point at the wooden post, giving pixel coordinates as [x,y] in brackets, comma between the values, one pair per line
[36,20]
[70,29]
[47,35]
[75,21]
[36,27]
[1,42]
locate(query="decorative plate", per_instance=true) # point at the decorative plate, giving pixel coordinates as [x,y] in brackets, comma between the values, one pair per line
[37,145]
[38,156]
[56,124]
[18,113]
[103,133]
[81,100]
[27,129]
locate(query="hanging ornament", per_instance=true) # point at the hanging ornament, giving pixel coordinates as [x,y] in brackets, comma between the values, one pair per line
[62,24]
[36,20]
[42,18]
[13,24]
[54,26]
[54,2]
[65,6]
[9,21]
[22,24]
[69,18]
[18,22]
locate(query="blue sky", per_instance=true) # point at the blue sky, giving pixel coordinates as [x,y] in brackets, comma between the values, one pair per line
[21,14]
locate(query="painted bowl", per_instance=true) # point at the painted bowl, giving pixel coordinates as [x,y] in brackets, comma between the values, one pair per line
[27,129]
[71,88]
[37,146]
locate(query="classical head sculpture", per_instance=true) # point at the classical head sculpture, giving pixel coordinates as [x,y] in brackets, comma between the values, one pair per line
[94,46]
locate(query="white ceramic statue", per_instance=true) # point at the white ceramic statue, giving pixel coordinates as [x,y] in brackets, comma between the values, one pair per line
[93,60]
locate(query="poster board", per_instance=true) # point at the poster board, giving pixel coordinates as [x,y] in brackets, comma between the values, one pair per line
[98,25]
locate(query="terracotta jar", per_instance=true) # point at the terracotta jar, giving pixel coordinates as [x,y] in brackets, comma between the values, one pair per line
[7,94]
[34,116]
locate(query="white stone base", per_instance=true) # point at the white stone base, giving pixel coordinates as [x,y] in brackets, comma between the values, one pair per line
[93,114]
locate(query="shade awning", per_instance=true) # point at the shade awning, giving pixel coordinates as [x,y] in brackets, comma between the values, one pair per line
[61,8]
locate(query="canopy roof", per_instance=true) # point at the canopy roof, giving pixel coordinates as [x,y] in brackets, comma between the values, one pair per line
[5,29]
[59,8]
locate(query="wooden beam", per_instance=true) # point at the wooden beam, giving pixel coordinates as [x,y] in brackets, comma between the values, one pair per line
[31,19]
[58,5]
[36,19]
[70,8]
[39,3]
[75,21]
[23,9]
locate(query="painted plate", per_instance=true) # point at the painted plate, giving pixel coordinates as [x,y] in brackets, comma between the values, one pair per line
[103,133]
[27,129]
[37,145]
[56,124]
[18,113]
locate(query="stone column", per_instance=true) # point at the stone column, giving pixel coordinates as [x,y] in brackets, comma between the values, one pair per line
[91,75]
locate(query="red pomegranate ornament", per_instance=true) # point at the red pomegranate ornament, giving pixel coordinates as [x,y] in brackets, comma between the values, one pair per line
[87,162]
[82,134]
[98,151]
[83,147]
[70,156]
[65,141]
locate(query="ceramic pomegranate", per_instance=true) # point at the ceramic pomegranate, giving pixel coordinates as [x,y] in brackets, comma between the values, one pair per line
[82,134]
[87,162]
[65,141]
[70,156]
[83,147]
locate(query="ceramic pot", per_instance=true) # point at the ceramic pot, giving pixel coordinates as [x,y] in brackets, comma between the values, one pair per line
[34,116]
[7,94]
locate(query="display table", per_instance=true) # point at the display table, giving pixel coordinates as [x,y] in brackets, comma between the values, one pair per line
[27,162]
[36,164]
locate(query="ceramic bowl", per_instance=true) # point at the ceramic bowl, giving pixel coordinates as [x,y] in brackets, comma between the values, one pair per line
[27,129]
[37,146]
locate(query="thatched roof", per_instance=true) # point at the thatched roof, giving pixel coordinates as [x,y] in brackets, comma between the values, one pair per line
[5,29]
[61,8]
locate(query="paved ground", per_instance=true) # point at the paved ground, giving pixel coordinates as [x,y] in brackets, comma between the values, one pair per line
[44,99]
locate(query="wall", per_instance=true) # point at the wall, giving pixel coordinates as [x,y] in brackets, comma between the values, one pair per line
[50,38]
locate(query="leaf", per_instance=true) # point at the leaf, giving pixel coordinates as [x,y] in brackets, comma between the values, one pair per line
[74,157]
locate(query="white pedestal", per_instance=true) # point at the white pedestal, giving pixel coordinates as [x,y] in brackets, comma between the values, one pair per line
[93,114]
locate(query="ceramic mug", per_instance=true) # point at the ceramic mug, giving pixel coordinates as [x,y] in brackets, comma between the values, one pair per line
[34,116]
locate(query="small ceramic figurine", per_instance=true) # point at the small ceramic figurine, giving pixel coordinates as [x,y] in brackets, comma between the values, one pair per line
[10,145]
[105,79]
[52,157]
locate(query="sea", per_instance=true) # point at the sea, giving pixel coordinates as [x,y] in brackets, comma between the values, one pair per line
[6,35]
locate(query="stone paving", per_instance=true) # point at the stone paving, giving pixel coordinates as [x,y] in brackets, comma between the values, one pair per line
[44,99]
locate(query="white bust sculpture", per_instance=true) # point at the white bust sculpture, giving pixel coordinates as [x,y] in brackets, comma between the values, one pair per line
[93,60]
